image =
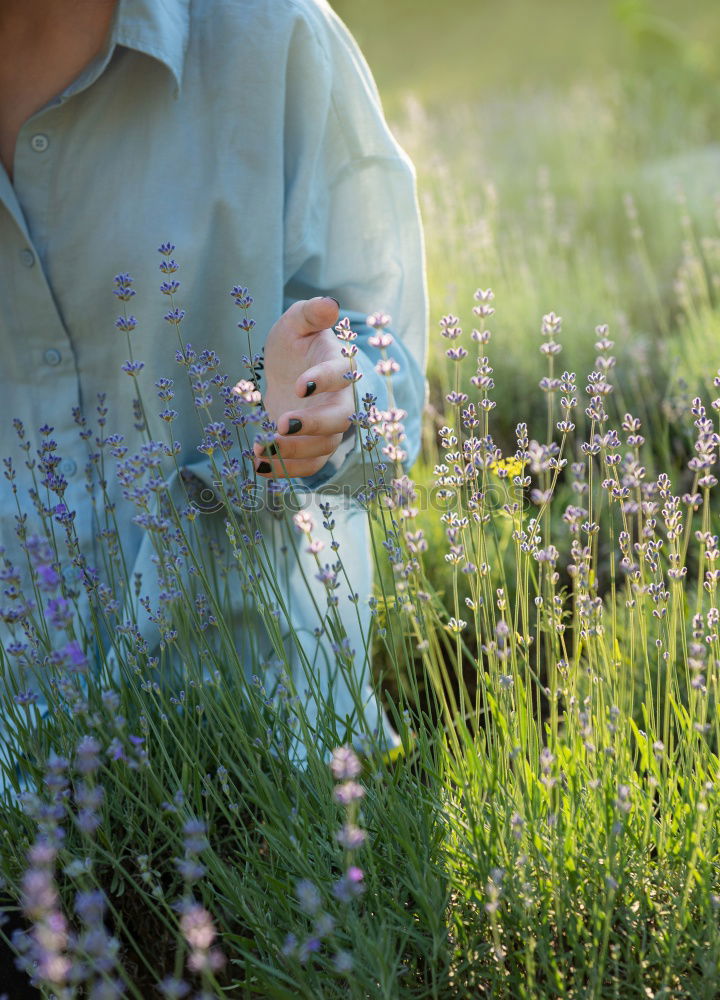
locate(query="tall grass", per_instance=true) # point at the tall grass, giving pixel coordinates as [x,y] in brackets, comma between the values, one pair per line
[551,827]
[545,627]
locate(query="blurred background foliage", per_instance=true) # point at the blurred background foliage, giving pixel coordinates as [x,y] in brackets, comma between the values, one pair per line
[474,50]
[568,156]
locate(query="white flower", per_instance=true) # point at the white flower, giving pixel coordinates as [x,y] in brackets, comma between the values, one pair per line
[381,340]
[304,522]
[387,366]
[247,391]
[378,321]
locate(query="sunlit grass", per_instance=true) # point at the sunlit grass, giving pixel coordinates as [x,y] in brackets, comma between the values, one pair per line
[546,621]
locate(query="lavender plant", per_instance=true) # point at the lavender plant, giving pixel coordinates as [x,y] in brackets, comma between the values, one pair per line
[550,827]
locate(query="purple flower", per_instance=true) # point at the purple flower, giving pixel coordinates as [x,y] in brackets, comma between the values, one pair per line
[39,892]
[197,926]
[88,821]
[343,962]
[324,925]
[195,839]
[44,947]
[59,612]
[349,791]
[173,989]
[449,327]
[175,316]
[62,514]
[125,323]
[89,796]
[350,885]
[115,750]
[344,330]
[56,765]
[87,759]
[42,852]
[351,837]
[289,946]
[107,989]
[355,875]
[308,896]
[387,367]
[164,387]
[25,698]
[309,947]
[123,289]
[90,906]
[378,321]
[201,960]
[189,869]
[345,764]
[242,299]
[132,368]
[74,659]
[48,577]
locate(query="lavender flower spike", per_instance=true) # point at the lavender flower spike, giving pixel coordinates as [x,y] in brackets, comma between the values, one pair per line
[345,764]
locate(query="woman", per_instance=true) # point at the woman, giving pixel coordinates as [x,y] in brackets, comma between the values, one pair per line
[249,132]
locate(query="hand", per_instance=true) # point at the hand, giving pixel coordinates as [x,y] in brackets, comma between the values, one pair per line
[306,394]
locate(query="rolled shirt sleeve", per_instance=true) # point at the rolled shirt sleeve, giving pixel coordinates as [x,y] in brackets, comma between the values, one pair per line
[352,225]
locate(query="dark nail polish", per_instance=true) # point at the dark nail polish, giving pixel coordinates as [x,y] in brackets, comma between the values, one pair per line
[270,449]
[264,467]
[333,299]
[310,388]
[294,426]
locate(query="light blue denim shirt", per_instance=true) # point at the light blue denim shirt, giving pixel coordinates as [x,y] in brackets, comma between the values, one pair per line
[248,133]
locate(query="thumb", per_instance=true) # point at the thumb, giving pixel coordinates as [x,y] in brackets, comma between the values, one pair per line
[305,317]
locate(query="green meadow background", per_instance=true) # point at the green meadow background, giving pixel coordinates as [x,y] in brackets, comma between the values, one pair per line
[568,156]
[551,830]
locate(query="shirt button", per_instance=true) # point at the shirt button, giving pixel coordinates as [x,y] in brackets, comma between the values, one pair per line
[27,257]
[68,467]
[39,142]
[52,357]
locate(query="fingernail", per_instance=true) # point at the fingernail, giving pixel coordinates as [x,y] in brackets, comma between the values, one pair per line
[310,388]
[295,425]
[264,467]
[270,449]
[333,299]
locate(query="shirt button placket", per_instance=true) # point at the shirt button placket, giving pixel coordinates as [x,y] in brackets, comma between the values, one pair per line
[39,142]
[52,357]
[37,164]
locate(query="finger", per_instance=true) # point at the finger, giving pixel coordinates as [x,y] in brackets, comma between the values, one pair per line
[307,316]
[326,377]
[294,467]
[320,420]
[300,447]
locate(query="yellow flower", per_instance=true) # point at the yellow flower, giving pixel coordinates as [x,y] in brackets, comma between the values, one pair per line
[506,468]
[392,755]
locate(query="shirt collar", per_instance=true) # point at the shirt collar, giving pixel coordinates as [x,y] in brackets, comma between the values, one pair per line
[158,28]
